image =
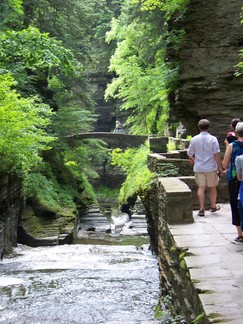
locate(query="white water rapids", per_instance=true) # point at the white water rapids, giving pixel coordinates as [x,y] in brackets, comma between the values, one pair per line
[85,284]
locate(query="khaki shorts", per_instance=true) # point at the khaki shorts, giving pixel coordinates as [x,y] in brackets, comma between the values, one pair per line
[207,179]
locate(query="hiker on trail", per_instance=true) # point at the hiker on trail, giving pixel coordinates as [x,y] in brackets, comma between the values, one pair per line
[233,150]
[231,136]
[239,172]
[204,154]
[118,128]
[128,206]
[125,208]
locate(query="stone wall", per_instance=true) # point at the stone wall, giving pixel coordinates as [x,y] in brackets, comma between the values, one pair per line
[168,202]
[171,200]
[208,86]
[11,206]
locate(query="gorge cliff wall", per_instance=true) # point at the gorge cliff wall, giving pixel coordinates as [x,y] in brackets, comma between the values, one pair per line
[11,206]
[208,87]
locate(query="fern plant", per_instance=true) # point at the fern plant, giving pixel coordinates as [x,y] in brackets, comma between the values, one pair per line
[134,163]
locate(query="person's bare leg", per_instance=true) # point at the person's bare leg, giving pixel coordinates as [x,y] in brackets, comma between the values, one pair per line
[201,196]
[213,196]
[239,231]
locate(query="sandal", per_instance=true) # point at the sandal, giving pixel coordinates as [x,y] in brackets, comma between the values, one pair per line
[201,212]
[214,209]
[239,239]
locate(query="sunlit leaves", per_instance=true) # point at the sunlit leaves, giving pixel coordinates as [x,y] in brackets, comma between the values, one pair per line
[31,49]
[22,129]
[168,6]
[10,14]
[143,78]
[134,163]
[240,64]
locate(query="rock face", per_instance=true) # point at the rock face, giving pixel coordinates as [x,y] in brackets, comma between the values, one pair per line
[208,87]
[11,206]
[105,111]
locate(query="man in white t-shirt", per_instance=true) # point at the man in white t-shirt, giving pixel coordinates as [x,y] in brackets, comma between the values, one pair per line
[204,154]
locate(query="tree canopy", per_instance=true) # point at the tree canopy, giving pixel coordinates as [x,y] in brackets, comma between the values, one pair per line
[46,50]
[23,125]
[143,77]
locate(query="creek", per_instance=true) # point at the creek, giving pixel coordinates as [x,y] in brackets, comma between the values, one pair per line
[79,283]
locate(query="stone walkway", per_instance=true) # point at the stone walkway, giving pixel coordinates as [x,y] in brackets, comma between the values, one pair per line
[216,263]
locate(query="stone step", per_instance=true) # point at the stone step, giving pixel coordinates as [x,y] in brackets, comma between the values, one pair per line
[139,216]
[91,218]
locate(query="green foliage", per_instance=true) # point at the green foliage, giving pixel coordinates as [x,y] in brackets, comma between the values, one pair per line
[72,21]
[144,78]
[32,56]
[171,146]
[65,176]
[48,192]
[33,49]
[105,192]
[239,66]
[134,163]
[22,129]
[164,311]
[10,14]
[80,163]
[77,118]
[168,6]
[200,318]
[43,67]
[167,170]
[44,45]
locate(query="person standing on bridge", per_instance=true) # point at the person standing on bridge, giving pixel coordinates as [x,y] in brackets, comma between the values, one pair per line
[118,128]
[204,154]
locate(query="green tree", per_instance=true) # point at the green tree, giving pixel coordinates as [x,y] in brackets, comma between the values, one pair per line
[10,14]
[23,135]
[134,164]
[143,77]
[43,67]
[32,57]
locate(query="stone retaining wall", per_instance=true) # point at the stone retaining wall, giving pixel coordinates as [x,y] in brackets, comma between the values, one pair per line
[171,200]
[168,202]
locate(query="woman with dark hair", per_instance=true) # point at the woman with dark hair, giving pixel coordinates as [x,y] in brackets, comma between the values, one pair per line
[231,136]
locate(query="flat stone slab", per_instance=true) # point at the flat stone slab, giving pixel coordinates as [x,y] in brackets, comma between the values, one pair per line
[215,263]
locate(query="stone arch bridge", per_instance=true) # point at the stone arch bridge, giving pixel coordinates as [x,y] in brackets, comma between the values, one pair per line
[124,141]
[121,140]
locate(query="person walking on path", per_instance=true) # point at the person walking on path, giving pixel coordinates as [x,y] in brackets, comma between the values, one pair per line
[239,172]
[233,150]
[204,154]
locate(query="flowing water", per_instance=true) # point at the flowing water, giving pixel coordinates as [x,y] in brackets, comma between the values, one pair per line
[85,284]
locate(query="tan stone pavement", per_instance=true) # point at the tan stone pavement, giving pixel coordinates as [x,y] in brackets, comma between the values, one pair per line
[216,263]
